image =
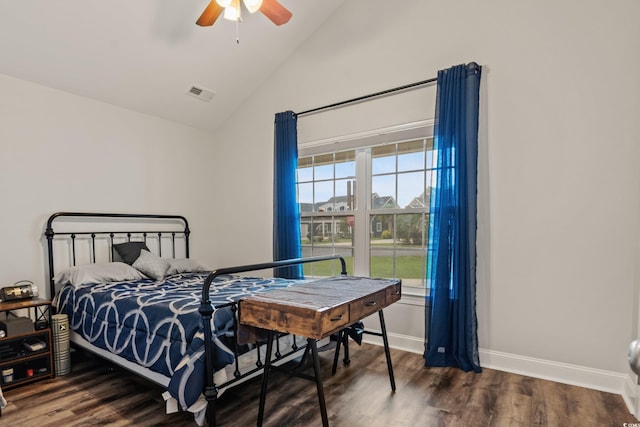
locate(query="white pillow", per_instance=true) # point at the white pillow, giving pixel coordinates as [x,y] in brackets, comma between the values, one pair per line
[185,265]
[151,265]
[97,273]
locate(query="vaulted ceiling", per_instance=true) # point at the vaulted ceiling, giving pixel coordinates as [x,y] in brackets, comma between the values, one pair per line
[145,55]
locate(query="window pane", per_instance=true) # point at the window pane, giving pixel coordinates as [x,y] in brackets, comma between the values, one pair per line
[346,164]
[383,191]
[344,195]
[383,159]
[410,230]
[411,156]
[410,189]
[411,250]
[323,196]
[305,236]
[327,235]
[314,232]
[305,169]
[381,263]
[433,178]
[343,229]
[305,197]
[430,176]
[400,254]
[434,158]
[381,260]
[381,228]
[323,167]
[410,265]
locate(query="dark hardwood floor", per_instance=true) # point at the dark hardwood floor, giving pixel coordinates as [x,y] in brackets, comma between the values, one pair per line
[95,393]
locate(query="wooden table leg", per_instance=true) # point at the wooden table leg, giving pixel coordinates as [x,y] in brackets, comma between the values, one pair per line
[316,370]
[265,377]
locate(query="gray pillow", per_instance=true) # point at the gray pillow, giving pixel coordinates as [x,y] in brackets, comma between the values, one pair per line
[97,273]
[185,265]
[151,265]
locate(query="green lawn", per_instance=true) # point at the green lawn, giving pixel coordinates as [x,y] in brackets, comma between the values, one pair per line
[407,267]
[327,268]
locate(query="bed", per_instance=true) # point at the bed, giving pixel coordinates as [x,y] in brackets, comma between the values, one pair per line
[134,296]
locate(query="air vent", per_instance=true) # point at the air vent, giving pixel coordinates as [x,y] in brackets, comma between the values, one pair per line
[200,93]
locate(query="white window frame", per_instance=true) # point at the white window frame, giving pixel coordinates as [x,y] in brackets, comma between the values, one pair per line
[360,142]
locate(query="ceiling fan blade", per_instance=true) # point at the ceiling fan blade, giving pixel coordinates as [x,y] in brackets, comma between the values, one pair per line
[210,14]
[277,13]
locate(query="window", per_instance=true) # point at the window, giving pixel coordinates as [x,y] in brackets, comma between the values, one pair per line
[369,204]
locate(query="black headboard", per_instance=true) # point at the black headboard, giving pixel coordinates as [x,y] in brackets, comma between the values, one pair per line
[114,227]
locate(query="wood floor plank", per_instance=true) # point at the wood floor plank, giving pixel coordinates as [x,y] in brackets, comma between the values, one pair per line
[96,393]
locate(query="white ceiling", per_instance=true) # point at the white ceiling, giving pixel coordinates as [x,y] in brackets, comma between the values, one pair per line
[145,54]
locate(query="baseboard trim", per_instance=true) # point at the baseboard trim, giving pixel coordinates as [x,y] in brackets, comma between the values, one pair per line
[630,395]
[596,379]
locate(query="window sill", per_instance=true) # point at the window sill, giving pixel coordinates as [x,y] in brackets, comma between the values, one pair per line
[414,291]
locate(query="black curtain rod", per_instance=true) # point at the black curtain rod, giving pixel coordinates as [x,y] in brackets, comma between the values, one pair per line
[372,95]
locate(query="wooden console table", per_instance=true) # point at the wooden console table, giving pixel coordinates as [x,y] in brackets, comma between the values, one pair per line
[316,310]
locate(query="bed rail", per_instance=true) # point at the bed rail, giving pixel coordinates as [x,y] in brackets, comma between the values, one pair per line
[206,311]
[266,265]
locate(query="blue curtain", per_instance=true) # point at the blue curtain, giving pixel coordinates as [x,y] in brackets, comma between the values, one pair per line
[286,212]
[451,321]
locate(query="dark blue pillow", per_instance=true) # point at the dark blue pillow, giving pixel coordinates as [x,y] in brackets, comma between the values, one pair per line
[130,251]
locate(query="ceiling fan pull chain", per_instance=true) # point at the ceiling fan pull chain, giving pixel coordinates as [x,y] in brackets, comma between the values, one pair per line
[238,31]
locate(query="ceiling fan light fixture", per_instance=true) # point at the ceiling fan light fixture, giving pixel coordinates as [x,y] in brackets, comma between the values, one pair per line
[253,5]
[272,9]
[232,12]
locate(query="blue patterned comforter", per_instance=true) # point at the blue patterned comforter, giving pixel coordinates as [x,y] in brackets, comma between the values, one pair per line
[157,324]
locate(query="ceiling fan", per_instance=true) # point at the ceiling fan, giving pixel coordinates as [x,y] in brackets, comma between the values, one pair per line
[273,10]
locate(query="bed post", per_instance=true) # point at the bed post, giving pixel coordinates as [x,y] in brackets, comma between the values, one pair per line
[186,236]
[49,233]
[210,389]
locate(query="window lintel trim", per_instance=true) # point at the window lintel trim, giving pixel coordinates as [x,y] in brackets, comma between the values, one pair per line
[405,131]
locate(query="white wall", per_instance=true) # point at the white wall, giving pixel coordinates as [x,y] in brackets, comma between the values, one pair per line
[559,206]
[61,152]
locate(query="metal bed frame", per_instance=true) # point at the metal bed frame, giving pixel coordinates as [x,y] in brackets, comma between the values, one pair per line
[206,309]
